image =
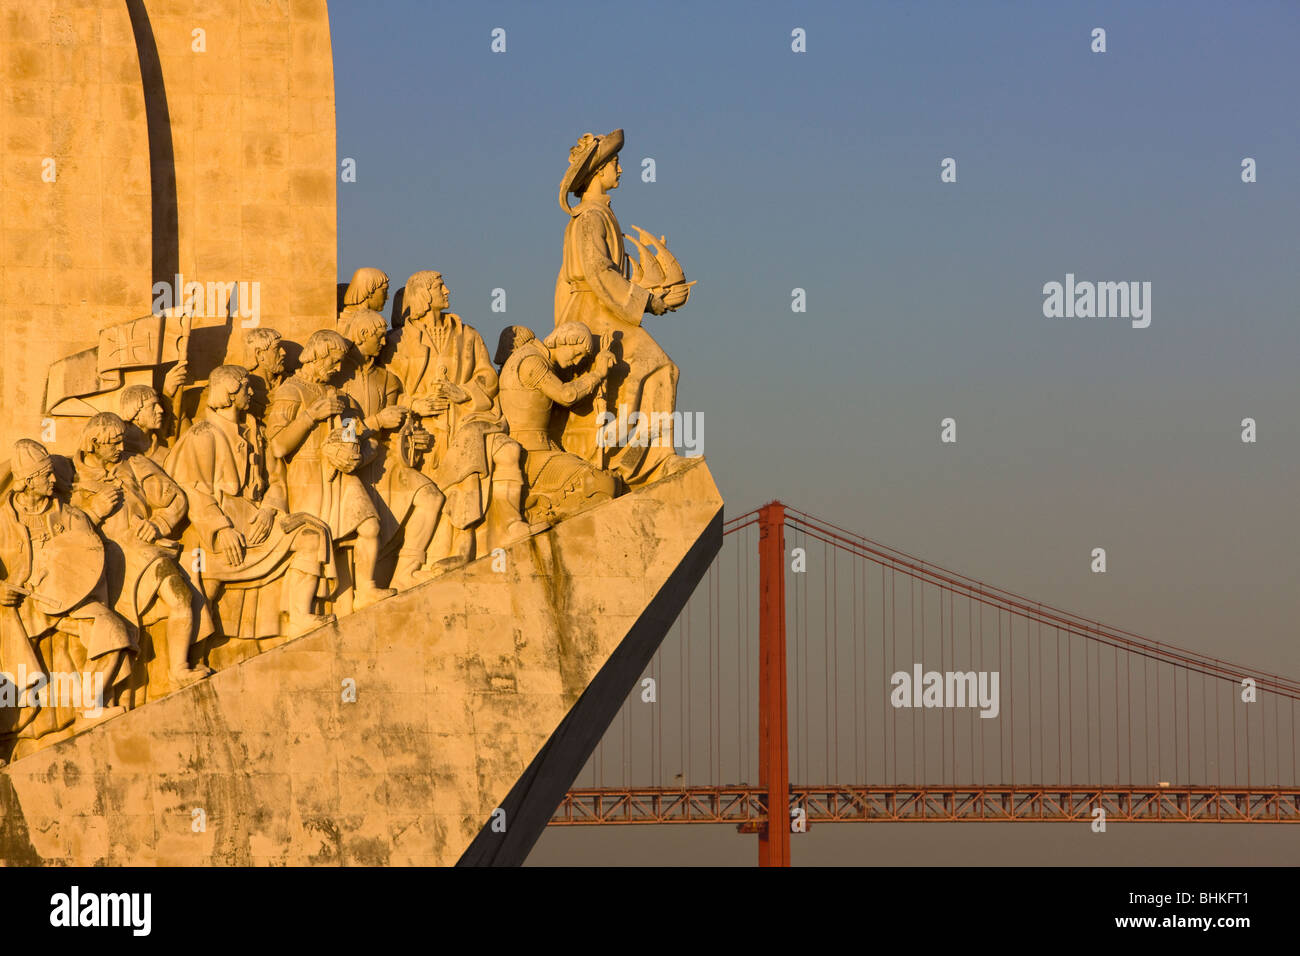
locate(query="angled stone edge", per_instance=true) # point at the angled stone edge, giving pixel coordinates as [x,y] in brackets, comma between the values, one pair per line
[534,797]
[484,689]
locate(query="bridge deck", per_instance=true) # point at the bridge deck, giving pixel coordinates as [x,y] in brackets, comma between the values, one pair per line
[746,806]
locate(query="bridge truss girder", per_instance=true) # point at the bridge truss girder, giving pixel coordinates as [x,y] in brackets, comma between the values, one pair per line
[746,807]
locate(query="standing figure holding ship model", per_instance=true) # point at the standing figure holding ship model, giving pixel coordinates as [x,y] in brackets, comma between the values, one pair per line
[599,286]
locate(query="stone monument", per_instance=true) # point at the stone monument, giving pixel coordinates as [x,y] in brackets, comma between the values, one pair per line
[354,593]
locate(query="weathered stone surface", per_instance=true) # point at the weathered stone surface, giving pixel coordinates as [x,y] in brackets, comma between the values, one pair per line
[462,685]
[220,476]
[190,137]
[74,171]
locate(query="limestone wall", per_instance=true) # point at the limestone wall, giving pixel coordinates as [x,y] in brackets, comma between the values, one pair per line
[75,253]
[217,164]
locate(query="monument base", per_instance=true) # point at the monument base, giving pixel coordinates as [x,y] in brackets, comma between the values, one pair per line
[441,725]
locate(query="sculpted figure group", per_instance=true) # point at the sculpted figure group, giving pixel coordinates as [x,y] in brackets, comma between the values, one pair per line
[382,458]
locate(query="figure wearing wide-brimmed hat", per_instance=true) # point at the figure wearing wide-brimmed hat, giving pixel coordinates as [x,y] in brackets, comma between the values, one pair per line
[596,287]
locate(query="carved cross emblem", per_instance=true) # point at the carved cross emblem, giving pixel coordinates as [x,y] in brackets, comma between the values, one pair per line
[132,344]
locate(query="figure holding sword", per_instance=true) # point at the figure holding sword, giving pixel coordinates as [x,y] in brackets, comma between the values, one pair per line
[52,550]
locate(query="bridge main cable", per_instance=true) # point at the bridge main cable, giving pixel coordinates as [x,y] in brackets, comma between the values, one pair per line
[992,596]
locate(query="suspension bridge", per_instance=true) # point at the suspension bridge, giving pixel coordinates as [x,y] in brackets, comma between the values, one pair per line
[787,682]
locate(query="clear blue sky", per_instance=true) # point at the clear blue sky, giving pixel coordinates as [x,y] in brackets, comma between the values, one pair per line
[820,170]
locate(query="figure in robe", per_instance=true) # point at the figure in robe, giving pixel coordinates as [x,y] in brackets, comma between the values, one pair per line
[305,410]
[409,503]
[145,508]
[265,347]
[240,521]
[444,367]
